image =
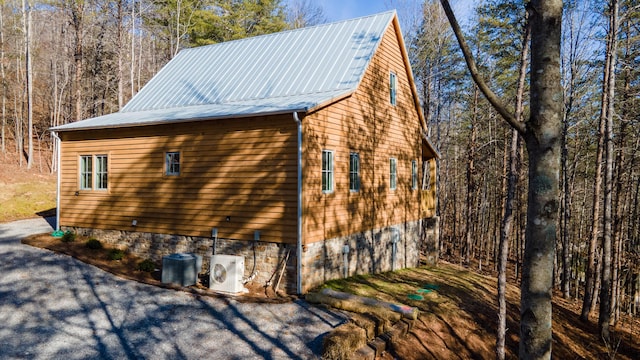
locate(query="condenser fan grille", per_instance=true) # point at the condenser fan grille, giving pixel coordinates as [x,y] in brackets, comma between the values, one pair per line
[219,273]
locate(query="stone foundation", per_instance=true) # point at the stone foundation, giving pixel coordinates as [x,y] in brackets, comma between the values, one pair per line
[372,251]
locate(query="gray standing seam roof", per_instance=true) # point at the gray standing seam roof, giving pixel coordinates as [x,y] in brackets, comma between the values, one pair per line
[295,70]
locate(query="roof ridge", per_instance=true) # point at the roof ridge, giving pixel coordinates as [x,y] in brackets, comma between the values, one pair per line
[288,31]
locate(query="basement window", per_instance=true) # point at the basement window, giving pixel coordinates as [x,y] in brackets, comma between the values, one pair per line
[172,163]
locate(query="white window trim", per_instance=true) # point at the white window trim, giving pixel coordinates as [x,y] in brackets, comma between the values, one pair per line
[356,172]
[393,88]
[92,183]
[95,172]
[393,173]
[167,165]
[330,172]
[414,174]
[83,172]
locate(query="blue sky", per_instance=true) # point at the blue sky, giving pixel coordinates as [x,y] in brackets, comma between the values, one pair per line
[346,9]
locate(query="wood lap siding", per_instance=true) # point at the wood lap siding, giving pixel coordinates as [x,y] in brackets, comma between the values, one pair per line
[244,169]
[368,124]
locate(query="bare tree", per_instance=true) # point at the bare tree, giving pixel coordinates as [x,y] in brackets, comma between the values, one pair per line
[3,134]
[542,133]
[605,292]
[512,178]
[26,28]
[303,13]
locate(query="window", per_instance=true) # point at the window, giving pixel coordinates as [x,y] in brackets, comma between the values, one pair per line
[93,172]
[414,174]
[393,88]
[101,172]
[86,172]
[354,172]
[172,163]
[393,173]
[426,175]
[327,171]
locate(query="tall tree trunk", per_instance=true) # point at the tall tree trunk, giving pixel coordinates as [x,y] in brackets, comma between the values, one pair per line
[590,283]
[542,134]
[512,178]
[77,12]
[120,50]
[605,293]
[507,223]
[4,86]
[471,190]
[26,27]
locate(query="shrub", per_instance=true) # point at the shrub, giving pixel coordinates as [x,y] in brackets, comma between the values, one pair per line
[69,236]
[94,244]
[116,254]
[147,265]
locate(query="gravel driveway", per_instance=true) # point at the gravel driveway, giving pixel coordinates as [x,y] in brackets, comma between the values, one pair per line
[55,307]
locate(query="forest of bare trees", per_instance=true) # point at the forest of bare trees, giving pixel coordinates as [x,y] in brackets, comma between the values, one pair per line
[597,238]
[65,60]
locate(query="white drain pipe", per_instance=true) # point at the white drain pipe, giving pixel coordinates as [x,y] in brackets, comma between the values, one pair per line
[299,242]
[345,257]
[59,168]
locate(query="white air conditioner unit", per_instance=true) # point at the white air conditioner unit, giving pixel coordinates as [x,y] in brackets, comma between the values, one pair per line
[225,273]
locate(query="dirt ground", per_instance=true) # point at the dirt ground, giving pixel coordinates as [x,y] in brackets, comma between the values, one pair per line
[458,317]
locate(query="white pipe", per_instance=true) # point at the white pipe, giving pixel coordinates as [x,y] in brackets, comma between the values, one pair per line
[299,245]
[345,257]
[59,170]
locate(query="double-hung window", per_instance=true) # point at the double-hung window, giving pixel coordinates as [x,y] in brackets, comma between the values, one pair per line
[393,173]
[101,172]
[172,163]
[94,172]
[393,88]
[354,172]
[327,171]
[86,172]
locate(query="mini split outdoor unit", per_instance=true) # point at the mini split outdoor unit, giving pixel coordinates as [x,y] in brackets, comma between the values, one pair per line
[225,273]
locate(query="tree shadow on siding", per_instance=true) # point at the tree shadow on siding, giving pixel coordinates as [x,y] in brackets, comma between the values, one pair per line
[236,175]
[377,131]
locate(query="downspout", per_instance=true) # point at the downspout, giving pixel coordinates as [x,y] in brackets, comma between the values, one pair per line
[299,245]
[58,165]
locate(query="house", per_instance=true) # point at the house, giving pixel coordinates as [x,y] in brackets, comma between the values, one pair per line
[304,151]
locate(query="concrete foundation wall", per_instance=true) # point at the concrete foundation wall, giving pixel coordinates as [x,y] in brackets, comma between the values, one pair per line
[368,252]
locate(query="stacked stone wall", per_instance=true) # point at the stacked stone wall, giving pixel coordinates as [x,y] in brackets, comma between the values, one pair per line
[369,252]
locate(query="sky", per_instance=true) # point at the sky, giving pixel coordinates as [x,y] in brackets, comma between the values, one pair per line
[336,10]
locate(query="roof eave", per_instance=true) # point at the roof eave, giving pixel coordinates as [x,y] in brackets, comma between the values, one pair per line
[181,120]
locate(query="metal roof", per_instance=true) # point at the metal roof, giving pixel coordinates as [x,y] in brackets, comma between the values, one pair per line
[295,70]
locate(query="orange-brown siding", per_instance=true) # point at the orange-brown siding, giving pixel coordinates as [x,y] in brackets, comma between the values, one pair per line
[243,169]
[368,124]
[246,169]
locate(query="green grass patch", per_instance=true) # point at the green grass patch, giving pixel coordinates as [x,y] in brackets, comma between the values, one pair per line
[25,200]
